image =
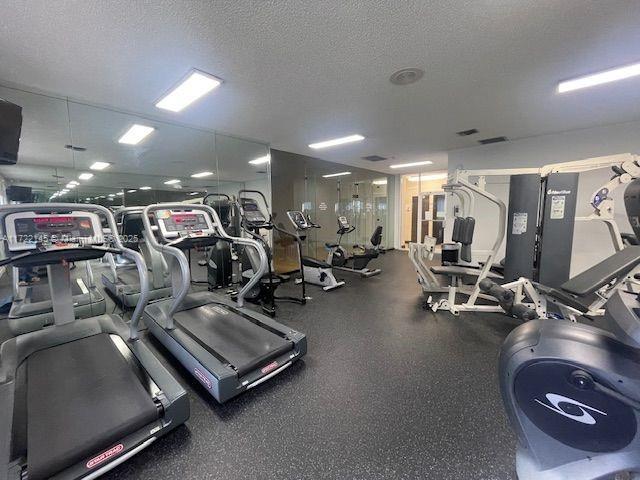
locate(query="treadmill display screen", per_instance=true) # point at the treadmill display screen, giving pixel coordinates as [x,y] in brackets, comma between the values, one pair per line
[186,222]
[27,231]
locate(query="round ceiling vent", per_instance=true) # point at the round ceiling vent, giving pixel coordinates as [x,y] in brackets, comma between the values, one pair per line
[406,76]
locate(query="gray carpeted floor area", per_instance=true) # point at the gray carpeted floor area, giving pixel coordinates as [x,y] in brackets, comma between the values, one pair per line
[387,391]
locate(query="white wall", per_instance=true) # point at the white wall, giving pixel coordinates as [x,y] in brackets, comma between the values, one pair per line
[591,241]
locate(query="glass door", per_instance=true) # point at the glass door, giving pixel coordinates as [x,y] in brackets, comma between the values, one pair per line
[429,216]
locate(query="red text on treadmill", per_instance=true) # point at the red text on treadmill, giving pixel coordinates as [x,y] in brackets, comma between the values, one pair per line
[268,368]
[202,377]
[104,456]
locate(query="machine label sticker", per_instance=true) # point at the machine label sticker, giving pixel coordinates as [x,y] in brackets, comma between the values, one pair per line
[519,224]
[584,416]
[104,456]
[272,366]
[557,207]
[202,378]
[162,214]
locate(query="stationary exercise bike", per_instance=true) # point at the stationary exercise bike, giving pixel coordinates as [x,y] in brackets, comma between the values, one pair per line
[341,259]
[572,391]
[315,271]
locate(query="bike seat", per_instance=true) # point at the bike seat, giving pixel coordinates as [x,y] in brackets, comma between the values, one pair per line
[331,245]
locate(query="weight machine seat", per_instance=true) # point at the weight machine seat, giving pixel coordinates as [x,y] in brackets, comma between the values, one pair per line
[313,263]
[229,335]
[82,397]
[331,245]
[617,265]
[452,270]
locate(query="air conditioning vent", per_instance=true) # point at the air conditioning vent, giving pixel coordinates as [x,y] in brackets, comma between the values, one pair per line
[466,133]
[374,158]
[487,141]
[75,148]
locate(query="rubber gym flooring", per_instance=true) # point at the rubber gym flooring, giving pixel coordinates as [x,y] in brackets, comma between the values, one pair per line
[386,391]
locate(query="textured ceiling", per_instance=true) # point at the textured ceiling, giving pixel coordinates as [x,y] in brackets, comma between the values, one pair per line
[301,71]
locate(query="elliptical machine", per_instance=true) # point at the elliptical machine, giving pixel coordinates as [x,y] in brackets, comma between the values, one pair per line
[253,221]
[572,391]
[315,271]
[222,255]
[340,258]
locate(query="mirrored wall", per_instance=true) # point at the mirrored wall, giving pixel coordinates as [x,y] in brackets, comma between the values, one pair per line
[73,152]
[325,191]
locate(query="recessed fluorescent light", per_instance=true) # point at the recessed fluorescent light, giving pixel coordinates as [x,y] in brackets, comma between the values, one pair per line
[112,195]
[382,181]
[85,176]
[188,91]
[261,160]
[64,190]
[135,134]
[88,198]
[70,185]
[201,175]
[101,196]
[433,176]
[132,190]
[194,193]
[99,165]
[606,76]
[120,193]
[336,174]
[73,182]
[145,188]
[172,182]
[336,141]
[412,164]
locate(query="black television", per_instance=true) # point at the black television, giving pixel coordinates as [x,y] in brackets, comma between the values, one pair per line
[10,127]
[16,193]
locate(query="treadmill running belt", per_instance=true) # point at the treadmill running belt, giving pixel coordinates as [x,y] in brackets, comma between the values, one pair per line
[241,342]
[130,278]
[40,292]
[82,397]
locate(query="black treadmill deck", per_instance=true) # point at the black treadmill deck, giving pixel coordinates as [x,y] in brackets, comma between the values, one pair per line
[82,397]
[229,335]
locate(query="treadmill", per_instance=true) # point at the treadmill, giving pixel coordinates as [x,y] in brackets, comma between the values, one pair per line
[228,348]
[122,280]
[81,396]
[32,309]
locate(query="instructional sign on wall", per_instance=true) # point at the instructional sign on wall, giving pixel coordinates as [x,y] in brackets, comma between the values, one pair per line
[557,207]
[519,223]
[322,206]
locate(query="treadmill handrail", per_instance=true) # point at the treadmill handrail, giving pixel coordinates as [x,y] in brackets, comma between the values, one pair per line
[5,210]
[182,258]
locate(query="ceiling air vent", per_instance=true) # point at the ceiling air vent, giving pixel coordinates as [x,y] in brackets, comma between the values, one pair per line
[406,76]
[487,141]
[374,158]
[466,133]
[75,148]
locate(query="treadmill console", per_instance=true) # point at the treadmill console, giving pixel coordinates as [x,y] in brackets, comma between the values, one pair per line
[31,230]
[184,223]
[252,212]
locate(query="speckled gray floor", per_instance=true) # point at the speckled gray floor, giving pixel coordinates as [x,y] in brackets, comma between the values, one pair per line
[387,391]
